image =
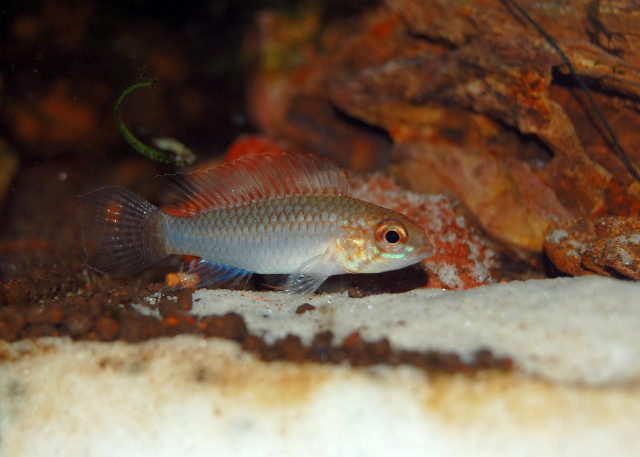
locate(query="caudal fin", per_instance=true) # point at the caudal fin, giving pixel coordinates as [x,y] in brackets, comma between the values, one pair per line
[120,231]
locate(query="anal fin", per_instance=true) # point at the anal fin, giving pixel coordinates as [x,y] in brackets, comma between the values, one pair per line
[215,274]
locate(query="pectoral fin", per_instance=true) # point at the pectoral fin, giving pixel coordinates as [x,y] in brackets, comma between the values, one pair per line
[304,283]
[309,276]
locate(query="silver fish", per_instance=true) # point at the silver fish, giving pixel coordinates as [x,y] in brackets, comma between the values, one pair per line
[273,213]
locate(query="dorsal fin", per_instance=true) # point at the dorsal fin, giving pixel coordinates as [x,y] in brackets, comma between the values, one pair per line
[253,179]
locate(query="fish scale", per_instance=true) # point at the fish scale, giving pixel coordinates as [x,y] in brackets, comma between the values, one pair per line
[285,231]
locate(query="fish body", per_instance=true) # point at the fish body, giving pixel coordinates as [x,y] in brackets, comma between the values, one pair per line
[270,214]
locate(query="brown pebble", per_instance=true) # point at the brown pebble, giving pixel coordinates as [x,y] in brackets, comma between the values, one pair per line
[322,339]
[12,318]
[55,312]
[184,299]
[35,314]
[254,344]
[356,292]
[321,350]
[11,323]
[362,353]
[233,327]
[78,324]
[379,350]
[351,339]
[167,305]
[93,306]
[106,328]
[304,308]
[136,327]
[41,329]
[230,326]
[289,348]
[7,334]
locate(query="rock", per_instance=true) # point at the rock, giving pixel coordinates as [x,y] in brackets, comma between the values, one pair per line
[479,106]
[607,246]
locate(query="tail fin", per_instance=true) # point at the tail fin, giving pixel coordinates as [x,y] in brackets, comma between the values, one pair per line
[120,231]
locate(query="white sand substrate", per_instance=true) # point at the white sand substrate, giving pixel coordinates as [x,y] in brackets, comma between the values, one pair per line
[574,391]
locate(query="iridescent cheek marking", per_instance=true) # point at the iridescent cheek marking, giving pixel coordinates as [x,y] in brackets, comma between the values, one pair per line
[388,255]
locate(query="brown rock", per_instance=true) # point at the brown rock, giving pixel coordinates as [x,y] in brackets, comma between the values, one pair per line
[609,246]
[478,105]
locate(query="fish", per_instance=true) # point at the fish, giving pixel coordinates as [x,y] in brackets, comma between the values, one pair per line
[273,213]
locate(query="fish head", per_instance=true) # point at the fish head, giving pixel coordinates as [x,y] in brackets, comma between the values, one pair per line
[381,241]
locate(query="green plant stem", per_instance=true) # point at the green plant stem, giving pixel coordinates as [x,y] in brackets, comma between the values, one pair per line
[148,151]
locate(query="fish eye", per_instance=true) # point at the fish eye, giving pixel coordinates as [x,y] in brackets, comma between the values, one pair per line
[391,236]
[391,233]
